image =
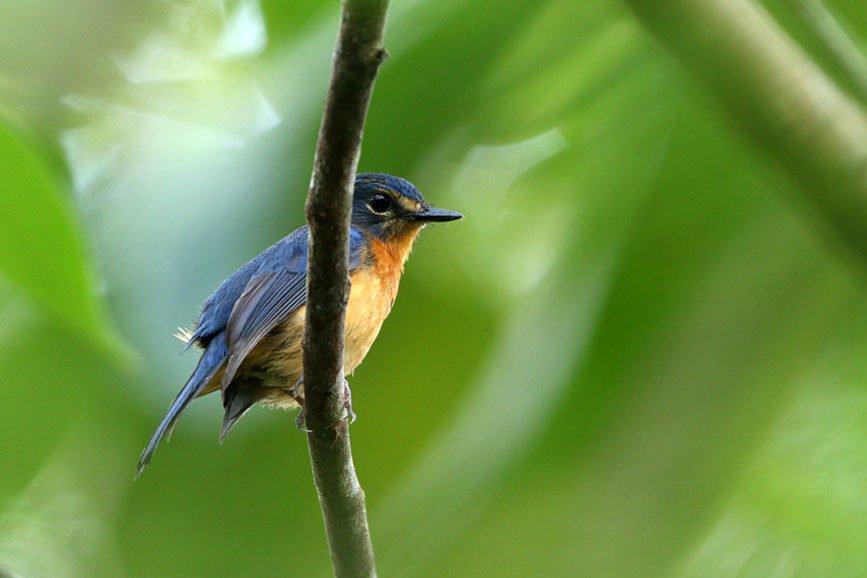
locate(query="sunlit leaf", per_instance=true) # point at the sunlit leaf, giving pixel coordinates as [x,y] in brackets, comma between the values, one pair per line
[43,251]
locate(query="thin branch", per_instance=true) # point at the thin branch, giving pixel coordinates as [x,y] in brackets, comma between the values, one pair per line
[839,46]
[778,96]
[357,58]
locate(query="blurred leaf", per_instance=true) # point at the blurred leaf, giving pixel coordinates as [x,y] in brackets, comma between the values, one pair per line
[44,255]
[51,377]
[61,525]
[553,259]
[55,344]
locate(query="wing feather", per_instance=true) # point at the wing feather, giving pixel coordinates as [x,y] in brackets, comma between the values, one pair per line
[268,300]
[272,294]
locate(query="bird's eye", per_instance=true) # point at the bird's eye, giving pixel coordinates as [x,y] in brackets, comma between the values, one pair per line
[380,203]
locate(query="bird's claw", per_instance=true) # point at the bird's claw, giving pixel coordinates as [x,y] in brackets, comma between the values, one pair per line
[295,393]
[301,423]
[349,416]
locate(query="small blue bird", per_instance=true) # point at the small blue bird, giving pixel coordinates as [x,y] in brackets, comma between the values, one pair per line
[251,327]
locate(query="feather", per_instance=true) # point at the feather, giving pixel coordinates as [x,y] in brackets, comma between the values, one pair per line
[243,310]
[269,299]
[209,364]
[238,399]
[184,335]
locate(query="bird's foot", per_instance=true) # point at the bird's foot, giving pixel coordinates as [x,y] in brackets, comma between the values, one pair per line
[296,392]
[348,415]
[300,422]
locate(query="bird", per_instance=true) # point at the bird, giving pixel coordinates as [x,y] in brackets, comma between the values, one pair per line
[250,329]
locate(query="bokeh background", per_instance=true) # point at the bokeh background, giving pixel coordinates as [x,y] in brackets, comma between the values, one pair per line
[638,355]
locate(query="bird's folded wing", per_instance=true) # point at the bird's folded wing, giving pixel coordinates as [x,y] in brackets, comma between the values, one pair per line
[269,299]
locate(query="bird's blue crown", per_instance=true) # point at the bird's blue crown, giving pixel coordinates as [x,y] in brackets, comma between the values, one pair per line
[366,183]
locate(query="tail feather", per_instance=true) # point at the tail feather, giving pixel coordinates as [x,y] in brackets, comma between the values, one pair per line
[237,399]
[209,364]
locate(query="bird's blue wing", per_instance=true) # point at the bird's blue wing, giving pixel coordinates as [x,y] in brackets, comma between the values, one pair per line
[289,253]
[243,309]
[276,290]
[268,300]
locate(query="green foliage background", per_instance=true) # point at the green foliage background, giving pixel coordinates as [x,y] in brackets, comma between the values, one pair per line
[638,355]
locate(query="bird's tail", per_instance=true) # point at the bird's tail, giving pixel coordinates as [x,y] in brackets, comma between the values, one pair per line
[209,364]
[238,399]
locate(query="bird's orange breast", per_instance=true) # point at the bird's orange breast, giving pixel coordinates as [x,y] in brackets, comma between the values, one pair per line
[367,308]
[372,293]
[374,289]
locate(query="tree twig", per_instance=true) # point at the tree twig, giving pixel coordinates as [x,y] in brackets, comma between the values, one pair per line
[357,58]
[778,96]
[837,44]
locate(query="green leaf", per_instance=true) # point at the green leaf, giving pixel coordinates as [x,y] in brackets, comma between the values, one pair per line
[56,349]
[43,252]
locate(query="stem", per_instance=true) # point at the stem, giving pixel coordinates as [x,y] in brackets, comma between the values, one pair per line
[357,58]
[837,44]
[778,96]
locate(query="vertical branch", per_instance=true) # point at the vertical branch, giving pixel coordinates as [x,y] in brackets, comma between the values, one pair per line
[357,58]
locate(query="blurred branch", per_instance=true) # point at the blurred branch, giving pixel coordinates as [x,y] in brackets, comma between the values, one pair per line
[357,58]
[778,96]
[839,46]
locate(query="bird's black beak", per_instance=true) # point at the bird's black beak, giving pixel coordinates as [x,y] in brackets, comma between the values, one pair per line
[432,215]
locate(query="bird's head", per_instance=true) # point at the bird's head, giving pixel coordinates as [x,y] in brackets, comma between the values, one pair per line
[391,208]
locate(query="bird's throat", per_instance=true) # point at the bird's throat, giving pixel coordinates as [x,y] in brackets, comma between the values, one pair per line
[390,256]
